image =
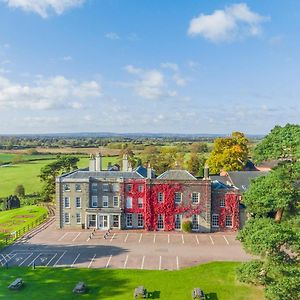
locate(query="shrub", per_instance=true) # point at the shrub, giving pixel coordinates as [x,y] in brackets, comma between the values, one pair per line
[252,272]
[187,226]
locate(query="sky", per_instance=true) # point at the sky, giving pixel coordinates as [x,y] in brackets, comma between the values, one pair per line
[171,66]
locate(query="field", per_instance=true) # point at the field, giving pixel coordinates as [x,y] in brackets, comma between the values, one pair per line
[15,219]
[216,279]
[27,172]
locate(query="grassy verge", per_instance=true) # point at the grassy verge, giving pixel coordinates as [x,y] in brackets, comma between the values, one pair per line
[17,219]
[216,279]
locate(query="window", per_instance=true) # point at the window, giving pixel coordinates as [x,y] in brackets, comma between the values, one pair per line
[94,201]
[67,218]
[91,220]
[116,221]
[78,218]
[115,187]
[222,202]
[228,221]
[195,222]
[105,187]
[78,187]
[140,202]
[178,222]
[129,187]
[67,187]
[160,197]
[78,202]
[116,201]
[195,198]
[67,202]
[105,201]
[178,197]
[140,188]
[215,220]
[128,220]
[128,202]
[140,221]
[94,187]
[160,222]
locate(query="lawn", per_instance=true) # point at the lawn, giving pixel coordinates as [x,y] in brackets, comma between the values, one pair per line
[15,219]
[27,174]
[216,279]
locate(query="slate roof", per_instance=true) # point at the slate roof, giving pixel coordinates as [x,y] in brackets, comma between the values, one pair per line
[239,179]
[176,175]
[80,174]
[143,171]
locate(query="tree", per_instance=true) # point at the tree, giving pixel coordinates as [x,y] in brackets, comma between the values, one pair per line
[168,158]
[280,143]
[20,190]
[63,164]
[195,164]
[198,147]
[229,154]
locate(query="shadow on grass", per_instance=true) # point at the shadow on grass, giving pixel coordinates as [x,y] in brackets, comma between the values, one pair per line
[154,295]
[211,296]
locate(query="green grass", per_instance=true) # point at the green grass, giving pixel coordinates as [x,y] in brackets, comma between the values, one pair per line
[9,157]
[216,279]
[27,174]
[15,219]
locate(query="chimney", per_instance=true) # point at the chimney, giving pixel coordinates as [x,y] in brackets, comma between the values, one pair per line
[149,171]
[109,166]
[125,163]
[129,167]
[92,163]
[98,162]
[206,172]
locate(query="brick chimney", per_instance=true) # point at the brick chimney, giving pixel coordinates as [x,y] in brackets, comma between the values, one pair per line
[98,162]
[125,165]
[92,163]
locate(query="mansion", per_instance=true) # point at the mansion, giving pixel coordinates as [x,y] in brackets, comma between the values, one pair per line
[123,198]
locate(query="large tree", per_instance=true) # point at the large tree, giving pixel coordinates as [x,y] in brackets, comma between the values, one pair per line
[63,164]
[229,154]
[273,231]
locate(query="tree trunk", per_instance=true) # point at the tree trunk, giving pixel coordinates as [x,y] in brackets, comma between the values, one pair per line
[278,215]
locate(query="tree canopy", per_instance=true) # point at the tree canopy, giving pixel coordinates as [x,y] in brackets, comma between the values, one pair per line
[229,154]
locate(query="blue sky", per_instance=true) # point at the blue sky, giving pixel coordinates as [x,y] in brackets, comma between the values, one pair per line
[180,66]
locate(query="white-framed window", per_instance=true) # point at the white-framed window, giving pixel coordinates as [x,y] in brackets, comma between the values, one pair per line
[67,202]
[105,201]
[78,218]
[78,202]
[116,221]
[222,202]
[140,202]
[177,197]
[67,188]
[105,187]
[195,222]
[195,197]
[140,188]
[94,201]
[177,222]
[215,220]
[115,187]
[67,218]
[128,202]
[78,187]
[129,187]
[116,201]
[129,220]
[160,222]
[228,221]
[140,220]
[160,197]
[94,186]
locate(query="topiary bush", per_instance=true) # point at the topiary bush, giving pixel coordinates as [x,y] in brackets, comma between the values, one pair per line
[187,226]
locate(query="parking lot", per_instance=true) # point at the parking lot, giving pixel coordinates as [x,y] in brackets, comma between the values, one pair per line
[122,249]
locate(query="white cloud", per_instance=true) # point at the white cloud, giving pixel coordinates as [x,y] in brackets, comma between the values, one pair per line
[44,7]
[67,58]
[150,84]
[172,66]
[233,22]
[48,93]
[179,80]
[112,36]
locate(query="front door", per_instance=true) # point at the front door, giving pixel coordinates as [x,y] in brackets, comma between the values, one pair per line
[103,222]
